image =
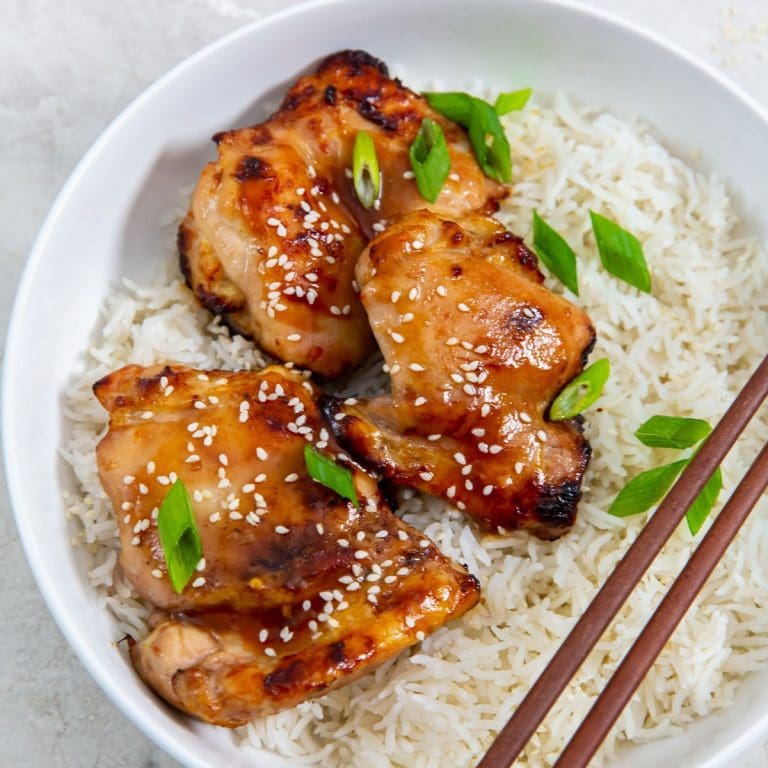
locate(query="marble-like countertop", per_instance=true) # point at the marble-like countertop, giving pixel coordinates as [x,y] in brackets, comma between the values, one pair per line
[67,68]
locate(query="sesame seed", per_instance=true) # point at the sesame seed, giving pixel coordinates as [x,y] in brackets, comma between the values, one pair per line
[342,543]
[353,587]
[420,636]
[135,541]
[478,432]
[528,312]
[397,337]
[410,622]
[261,454]
[394,296]
[433,438]
[157,573]
[408,174]
[524,417]
[192,458]
[402,535]
[373,599]
[214,518]
[419,401]
[494,449]
[466,470]
[199,581]
[417,245]
[360,554]
[273,222]
[463,307]
[319,528]
[413,294]
[293,337]
[519,467]
[417,368]
[426,476]
[459,458]
[382,534]
[485,409]
[542,435]
[360,535]
[451,342]
[199,404]
[470,389]
[270,652]
[291,478]
[281,529]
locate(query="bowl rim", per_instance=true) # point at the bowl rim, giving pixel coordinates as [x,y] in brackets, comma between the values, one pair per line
[142,719]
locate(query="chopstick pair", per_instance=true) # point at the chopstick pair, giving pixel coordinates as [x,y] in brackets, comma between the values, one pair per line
[606,604]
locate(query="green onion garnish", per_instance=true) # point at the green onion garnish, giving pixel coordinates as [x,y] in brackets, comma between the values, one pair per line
[179,536]
[672,432]
[330,474]
[621,252]
[486,135]
[512,101]
[643,491]
[430,160]
[649,487]
[581,392]
[365,170]
[454,105]
[556,254]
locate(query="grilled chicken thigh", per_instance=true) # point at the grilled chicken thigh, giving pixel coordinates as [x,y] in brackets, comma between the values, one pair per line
[274,230]
[477,348]
[298,590]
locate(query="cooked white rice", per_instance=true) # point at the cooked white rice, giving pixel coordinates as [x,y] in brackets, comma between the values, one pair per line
[685,350]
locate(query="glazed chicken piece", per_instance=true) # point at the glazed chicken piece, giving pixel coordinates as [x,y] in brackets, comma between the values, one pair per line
[298,590]
[274,230]
[477,348]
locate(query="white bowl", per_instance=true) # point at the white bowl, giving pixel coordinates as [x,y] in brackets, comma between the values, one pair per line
[105,225]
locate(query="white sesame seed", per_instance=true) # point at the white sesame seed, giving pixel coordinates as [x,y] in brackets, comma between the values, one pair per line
[495,449]
[293,337]
[360,535]
[408,174]
[360,554]
[528,312]
[419,401]
[157,573]
[463,307]
[417,368]
[135,541]
[200,405]
[402,535]
[420,636]
[542,435]
[319,528]
[397,337]
[451,491]
[470,389]
[451,342]
[199,581]
[214,518]
[525,418]
[519,467]
[433,438]
[273,222]
[410,622]
[413,294]
[281,529]
[373,599]
[485,409]
[261,454]
[459,458]
[478,432]
[426,476]
[291,478]
[270,652]
[417,245]
[353,587]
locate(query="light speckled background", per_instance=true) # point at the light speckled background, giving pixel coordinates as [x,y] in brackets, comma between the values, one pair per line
[67,68]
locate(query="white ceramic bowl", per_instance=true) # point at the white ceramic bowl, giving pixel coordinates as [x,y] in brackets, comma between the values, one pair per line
[105,224]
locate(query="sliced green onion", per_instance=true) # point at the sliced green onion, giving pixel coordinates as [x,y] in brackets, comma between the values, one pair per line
[365,170]
[581,392]
[621,252]
[455,105]
[512,101]
[645,490]
[179,536]
[672,432]
[702,506]
[489,142]
[556,254]
[430,160]
[330,474]
[486,135]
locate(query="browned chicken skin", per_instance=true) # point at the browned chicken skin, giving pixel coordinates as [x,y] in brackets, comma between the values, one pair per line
[298,590]
[274,230]
[477,348]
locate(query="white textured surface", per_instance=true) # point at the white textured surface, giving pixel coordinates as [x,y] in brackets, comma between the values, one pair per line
[67,69]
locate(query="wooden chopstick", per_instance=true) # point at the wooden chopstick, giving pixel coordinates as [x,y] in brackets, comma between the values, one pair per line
[671,610]
[606,604]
